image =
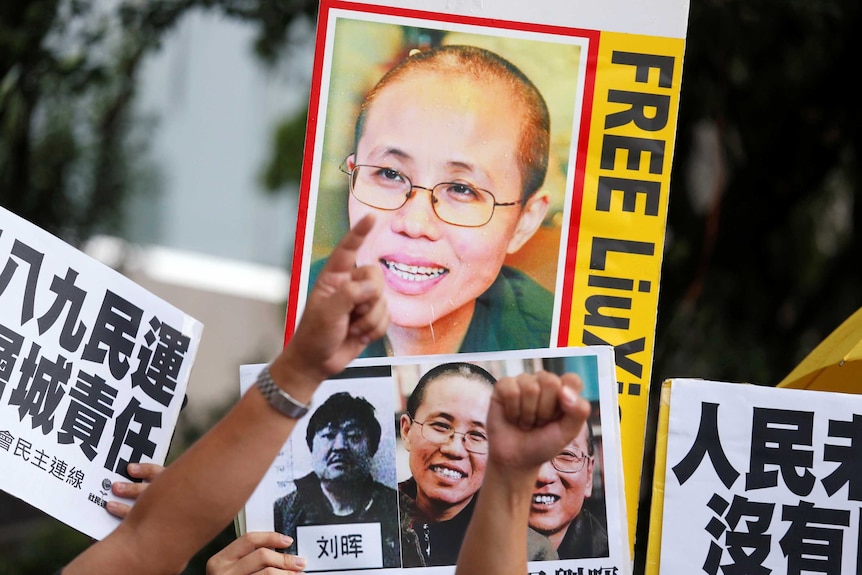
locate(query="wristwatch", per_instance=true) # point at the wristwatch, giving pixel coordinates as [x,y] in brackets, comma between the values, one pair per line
[279,399]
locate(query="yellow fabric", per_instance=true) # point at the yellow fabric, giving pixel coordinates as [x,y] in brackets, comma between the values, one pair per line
[835,364]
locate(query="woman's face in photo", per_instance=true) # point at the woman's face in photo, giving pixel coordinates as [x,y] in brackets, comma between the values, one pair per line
[447,475]
[434,128]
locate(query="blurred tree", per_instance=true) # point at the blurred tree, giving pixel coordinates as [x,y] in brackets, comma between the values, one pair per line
[44,550]
[765,220]
[69,143]
[284,166]
[68,79]
[764,241]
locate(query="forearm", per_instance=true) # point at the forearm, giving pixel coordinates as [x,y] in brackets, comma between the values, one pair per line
[200,492]
[196,496]
[496,540]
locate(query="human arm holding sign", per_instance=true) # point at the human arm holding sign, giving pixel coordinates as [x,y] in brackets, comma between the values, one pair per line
[531,418]
[248,554]
[194,498]
[254,552]
[146,473]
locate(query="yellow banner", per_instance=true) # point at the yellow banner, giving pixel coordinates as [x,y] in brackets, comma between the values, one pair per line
[623,216]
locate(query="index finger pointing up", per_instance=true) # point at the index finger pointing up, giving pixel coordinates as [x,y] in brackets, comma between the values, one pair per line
[343,258]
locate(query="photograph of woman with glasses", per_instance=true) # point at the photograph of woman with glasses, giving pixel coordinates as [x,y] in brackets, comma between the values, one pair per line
[443,431]
[450,153]
[558,510]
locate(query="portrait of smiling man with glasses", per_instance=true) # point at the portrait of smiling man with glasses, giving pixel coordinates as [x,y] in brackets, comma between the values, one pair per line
[444,433]
[450,154]
[558,512]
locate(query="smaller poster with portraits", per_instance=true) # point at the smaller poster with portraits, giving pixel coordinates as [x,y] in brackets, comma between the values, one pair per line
[93,373]
[384,470]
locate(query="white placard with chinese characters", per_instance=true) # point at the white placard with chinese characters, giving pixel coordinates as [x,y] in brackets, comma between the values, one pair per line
[340,547]
[93,372]
[761,480]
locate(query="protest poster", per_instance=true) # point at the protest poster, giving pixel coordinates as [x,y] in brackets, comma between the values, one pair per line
[758,480]
[476,258]
[93,372]
[394,435]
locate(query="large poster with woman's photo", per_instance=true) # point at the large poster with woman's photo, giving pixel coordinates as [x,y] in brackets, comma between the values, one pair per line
[516,158]
[384,471]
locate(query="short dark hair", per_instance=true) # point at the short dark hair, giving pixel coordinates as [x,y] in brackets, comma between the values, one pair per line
[459,368]
[340,407]
[486,66]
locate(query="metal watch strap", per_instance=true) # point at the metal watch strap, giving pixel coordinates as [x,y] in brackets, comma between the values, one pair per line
[279,399]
